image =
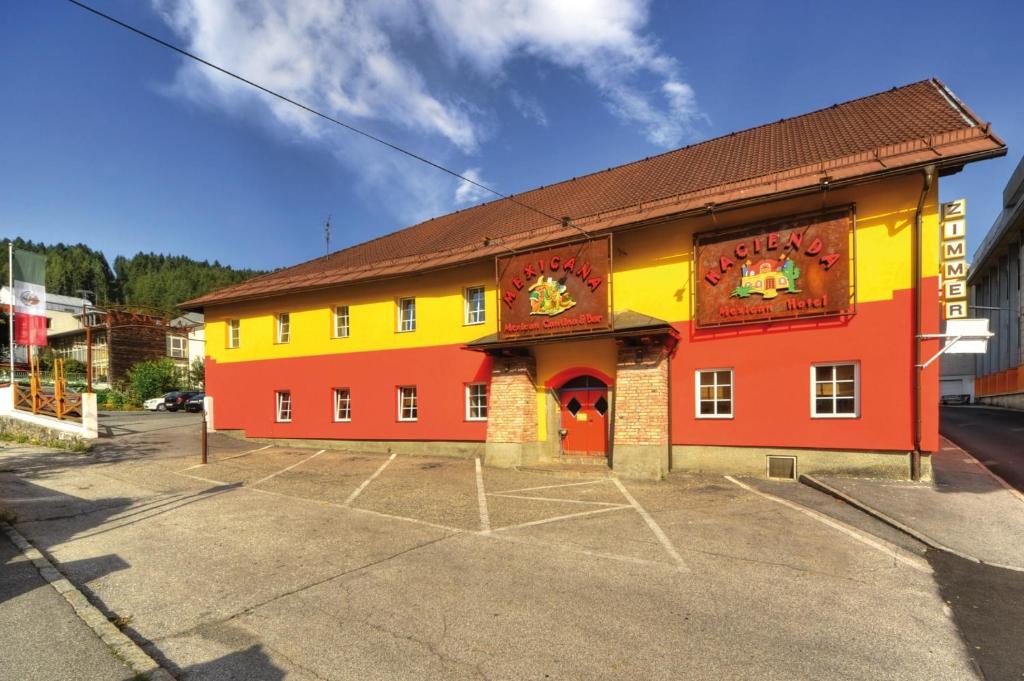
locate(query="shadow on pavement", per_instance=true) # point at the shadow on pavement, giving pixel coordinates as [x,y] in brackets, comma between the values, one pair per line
[986,604]
[251,664]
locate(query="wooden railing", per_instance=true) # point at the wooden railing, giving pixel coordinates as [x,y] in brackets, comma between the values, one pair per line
[58,402]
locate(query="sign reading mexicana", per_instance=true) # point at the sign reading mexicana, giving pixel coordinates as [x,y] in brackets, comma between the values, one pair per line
[796,267]
[556,290]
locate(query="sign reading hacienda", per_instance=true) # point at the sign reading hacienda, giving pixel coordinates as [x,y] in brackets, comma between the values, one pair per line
[796,267]
[554,291]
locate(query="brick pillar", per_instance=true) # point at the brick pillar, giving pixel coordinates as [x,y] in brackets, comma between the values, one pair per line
[511,410]
[640,447]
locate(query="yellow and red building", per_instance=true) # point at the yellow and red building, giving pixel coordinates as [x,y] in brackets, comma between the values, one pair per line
[626,329]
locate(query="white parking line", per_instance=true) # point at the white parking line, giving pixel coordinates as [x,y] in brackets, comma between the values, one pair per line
[567,501]
[557,518]
[285,470]
[655,528]
[566,484]
[916,562]
[251,451]
[481,499]
[359,490]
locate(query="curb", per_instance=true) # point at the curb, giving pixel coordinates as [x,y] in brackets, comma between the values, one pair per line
[814,483]
[998,478]
[120,645]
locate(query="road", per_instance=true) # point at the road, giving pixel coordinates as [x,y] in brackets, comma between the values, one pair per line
[275,562]
[994,436]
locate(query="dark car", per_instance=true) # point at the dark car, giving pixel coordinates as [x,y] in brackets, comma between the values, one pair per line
[195,402]
[955,399]
[176,400]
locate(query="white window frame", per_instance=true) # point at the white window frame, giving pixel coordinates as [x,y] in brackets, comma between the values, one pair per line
[174,339]
[402,321]
[415,403]
[856,390]
[715,400]
[338,316]
[466,296]
[337,403]
[283,326]
[234,333]
[469,401]
[279,399]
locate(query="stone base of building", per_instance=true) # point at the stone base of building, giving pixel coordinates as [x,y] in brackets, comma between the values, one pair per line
[753,461]
[641,462]
[1006,400]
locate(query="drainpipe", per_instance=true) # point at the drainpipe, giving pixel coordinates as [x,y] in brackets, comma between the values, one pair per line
[915,283]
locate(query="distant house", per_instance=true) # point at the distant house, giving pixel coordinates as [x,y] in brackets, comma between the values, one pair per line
[122,338]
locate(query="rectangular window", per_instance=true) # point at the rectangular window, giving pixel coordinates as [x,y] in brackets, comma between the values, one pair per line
[714,393]
[475,305]
[176,346]
[342,404]
[234,332]
[406,314]
[341,321]
[284,327]
[834,390]
[284,406]
[408,406]
[476,402]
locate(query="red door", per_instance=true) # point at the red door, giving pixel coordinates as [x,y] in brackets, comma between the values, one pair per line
[585,421]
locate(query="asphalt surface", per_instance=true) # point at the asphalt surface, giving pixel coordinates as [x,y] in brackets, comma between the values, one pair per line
[42,637]
[287,563]
[993,436]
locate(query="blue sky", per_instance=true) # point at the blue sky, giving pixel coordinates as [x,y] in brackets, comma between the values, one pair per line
[113,141]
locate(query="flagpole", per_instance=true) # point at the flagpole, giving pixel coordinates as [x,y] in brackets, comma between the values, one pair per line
[10,309]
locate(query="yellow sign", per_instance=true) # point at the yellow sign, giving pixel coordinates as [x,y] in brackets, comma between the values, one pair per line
[953,261]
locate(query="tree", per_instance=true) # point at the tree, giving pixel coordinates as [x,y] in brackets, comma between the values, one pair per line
[152,379]
[197,373]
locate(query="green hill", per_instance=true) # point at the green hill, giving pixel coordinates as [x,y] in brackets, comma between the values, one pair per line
[145,279]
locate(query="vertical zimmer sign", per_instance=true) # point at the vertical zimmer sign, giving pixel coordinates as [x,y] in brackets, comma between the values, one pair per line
[954,259]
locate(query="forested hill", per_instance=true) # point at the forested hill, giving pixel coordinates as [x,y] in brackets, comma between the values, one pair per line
[145,279]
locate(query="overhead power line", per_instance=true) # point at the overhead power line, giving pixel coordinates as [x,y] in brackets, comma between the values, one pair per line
[566,222]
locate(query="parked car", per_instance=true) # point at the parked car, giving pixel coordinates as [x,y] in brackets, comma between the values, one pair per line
[176,400]
[195,402]
[156,403]
[955,399]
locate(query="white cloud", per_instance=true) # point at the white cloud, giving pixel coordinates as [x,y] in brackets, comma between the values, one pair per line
[529,107]
[375,64]
[467,192]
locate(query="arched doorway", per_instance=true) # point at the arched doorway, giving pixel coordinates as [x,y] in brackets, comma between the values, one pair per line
[584,407]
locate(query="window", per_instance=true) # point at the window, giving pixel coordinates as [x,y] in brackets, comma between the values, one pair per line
[234,332]
[476,402]
[284,327]
[284,406]
[406,314]
[408,407]
[342,404]
[475,305]
[176,346]
[834,390]
[714,393]
[341,321]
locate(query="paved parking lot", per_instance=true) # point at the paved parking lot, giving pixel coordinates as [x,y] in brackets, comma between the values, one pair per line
[274,562]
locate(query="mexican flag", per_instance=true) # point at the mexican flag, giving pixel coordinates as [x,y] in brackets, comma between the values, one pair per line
[28,276]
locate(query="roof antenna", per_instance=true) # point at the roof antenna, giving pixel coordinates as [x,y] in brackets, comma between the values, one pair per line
[327,236]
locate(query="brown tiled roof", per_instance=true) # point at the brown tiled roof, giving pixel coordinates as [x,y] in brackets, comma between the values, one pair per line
[891,131]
